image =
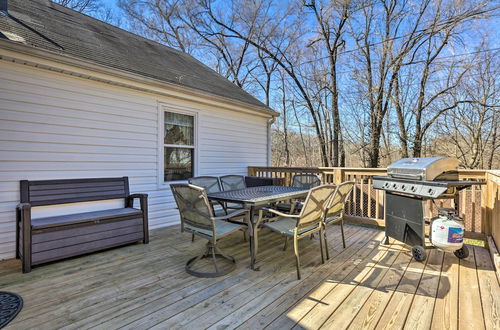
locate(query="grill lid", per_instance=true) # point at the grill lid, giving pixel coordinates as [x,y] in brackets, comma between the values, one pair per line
[424,168]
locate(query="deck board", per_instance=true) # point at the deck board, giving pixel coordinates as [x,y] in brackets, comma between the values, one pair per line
[445,315]
[373,308]
[489,289]
[365,286]
[469,303]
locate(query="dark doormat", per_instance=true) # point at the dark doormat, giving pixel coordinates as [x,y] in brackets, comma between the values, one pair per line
[10,305]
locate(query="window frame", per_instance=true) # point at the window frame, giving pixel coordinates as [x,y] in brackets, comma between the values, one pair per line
[162,108]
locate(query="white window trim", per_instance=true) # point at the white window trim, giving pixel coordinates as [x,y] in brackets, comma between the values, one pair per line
[162,108]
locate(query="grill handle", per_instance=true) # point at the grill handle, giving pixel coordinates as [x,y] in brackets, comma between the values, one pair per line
[407,176]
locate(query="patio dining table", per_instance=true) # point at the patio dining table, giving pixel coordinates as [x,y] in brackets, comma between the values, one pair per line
[253,198]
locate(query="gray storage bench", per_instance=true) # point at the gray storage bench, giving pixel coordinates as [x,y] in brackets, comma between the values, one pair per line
[57,237]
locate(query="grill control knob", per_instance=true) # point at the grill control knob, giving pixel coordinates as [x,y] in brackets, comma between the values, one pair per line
[413,188]
[403,187]
[431,192]
[386,184]
[394,185]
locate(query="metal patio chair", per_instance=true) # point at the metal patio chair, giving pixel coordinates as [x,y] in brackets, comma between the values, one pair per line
[307,181]
[307,222]
[211,185]
[197,217]
[335,209]
[232,182]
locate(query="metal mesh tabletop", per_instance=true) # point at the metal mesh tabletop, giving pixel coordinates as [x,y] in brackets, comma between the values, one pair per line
[259,195]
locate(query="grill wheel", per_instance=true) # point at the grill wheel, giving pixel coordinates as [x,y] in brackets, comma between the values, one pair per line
[462,253]
[418,253]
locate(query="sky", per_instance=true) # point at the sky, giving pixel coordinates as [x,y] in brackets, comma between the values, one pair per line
[111,4]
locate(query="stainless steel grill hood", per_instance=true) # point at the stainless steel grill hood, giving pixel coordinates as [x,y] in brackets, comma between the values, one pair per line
[424,168]
[427,177]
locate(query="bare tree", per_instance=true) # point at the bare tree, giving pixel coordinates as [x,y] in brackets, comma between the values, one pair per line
[278,38]
[383,59]
[161,21]
[269,67]
[331,18]
[447,18]
[472,127]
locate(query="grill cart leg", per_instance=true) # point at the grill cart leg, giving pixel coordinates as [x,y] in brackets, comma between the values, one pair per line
[462,253]
[418,253]
[385,241]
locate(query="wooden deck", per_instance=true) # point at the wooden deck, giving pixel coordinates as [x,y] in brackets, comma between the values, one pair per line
[366,285]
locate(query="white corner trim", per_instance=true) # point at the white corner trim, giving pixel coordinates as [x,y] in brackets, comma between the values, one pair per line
[270,123]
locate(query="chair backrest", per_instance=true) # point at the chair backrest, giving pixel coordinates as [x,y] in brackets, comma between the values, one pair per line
[210,183]
[232,182]
[336,205]
[315,205]
[194,208]
[52,192]
[257,181]
[305,181]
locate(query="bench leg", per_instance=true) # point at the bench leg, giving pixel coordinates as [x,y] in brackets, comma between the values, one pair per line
[18,228]
[146,230]
[26,264]
[144,207]
[26,227]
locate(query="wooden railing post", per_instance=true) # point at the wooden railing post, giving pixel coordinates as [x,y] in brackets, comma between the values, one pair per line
[491,218]
[487,205]
[338,175]
[251,171]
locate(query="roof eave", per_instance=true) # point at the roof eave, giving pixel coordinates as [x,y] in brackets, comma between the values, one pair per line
[82,63]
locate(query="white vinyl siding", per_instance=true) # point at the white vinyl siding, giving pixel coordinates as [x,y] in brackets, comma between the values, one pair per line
[55,126]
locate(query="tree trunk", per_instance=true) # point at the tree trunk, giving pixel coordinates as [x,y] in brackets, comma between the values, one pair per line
[403,133]
[374,152]
[494,139]
[285,125]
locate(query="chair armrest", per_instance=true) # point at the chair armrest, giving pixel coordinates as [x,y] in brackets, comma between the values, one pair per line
[281,213]
[221,204]
[133,196]
[231,215]
[23,206]
[143,198]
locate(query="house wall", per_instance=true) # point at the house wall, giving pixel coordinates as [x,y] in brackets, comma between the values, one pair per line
[56,126]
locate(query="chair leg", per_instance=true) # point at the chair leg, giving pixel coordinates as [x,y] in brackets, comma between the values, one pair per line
[342,230]
[211,251]
[214,260]
[297,257]
[286,243]
[222,254]
[321,237]
[192,237]
[244,236]
[326,244]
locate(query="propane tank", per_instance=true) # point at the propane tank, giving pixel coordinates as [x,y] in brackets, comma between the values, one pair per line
[447,230]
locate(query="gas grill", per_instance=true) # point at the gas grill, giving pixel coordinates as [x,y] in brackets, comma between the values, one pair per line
[408,184]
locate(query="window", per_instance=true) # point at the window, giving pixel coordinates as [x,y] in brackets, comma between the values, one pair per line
[178,146]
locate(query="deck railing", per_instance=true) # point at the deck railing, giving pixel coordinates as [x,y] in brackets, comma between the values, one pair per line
[480,205]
